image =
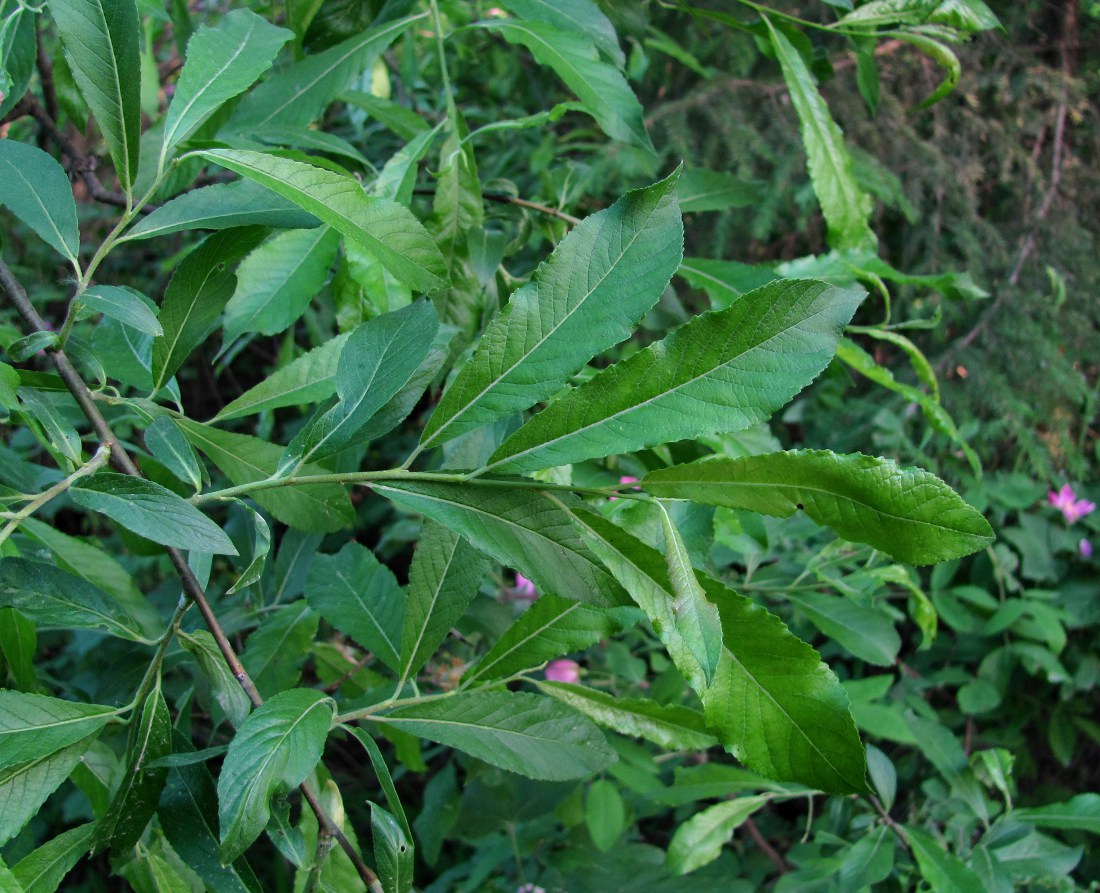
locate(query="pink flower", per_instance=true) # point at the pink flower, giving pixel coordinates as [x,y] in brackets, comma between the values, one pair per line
[1066,501]
[525,588]
[625,479]
[1085,548]
[563,671]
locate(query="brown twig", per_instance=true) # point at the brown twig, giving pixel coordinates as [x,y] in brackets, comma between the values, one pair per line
[503,199]
[766,848]
[888,821]
[191,587]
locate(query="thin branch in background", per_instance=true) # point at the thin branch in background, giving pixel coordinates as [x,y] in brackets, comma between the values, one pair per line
[766,848]
[191,586]
[503,199]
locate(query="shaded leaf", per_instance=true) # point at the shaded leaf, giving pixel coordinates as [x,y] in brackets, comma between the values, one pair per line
[36,189]
[227,691]
[582,16]
[170,448]
[1080,813]
[701,838]
[274,653]
[393,851]
[43,870]
[942,870]
[864,632]
[703,190]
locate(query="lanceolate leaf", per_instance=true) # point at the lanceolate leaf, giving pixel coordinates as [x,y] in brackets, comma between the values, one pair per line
[386,229]
[724,281]
[941,869]
[845,205]
[443,580]
[35,188]
[1080,813]
[517,731]
[50,597]
[275,652]
[520,528]
[121,303]
[907,513]
[279,743]
[221,63]
[101,44]
[25,787]
[32,726]
[606,95]
[864,632]
[699,840]
[359,596]
[393,852]
[721,372]
[703,190]
[582,16]
[43,870]
[152,511]
[586,297]
[166,442]
[224,686]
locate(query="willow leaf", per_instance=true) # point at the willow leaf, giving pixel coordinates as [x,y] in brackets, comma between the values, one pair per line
[586,297]
[26,786]
[32,726]
[721,372]
[36,189]
[908,513]
[582,16]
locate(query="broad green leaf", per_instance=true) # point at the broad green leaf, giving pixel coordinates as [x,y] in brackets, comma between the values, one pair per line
[551,627]
[319,508]
[196,296]
[864,632]
[152,511]
[776,706]
[49,596]
[386,229]
[667,725]
[586,297]
[695,618]
[18,646]
[606,95]
[604,814]
[170,448]
[360,597]
[721,372]
[724,281]
[1081,813]
[443,581]
[517,731]
[703,190]
[699,841]
[845,205]
[222,206]
[520,528]
[274,653]
[278,744]
[34,726]
[221,63]
[278,280]
[224,686]
[100,38]
[310,378]
[967,15]
[135,800]
[581,16]
[35,188]
[25,787]
[43,870]
[942,870]
[378,360]
[393,851]
[298,94]
[121,303]
[907,513]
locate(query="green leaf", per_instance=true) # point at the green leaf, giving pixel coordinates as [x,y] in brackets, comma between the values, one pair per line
[380,357]
[604,814]
[943,871]
[517,731]
[907,513]
[703,190]
[551,627]
[222,206]
[393,852]
[943,56]
[696,619]
[310,378]
[387,230]
[121,303]
[18,51]
[135,800]
[50,597]
[443,581]
[520,528]
[170,448]
[152,511]
[586,297]
[583,17]
[227,691]
[724,281]
[18,646]
[26,786]
[1080,813]
[34,726]
[261,546]
[101,44]
[277,281]
[385,780]
[298,94]
[43,870]
[278,744]
[667,725]
[845,205]
[36,189]
[196,296]
[864,632]
[319,508]
[967,15]
[721,372]
[44,409]
[275,652]
[606,95]
[359,596]
[700,840]
[221,63]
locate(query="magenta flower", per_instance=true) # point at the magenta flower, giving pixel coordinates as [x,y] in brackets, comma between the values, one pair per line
[1085,548]
[1066,501]
[563,671]
[625,479]
[524,588]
